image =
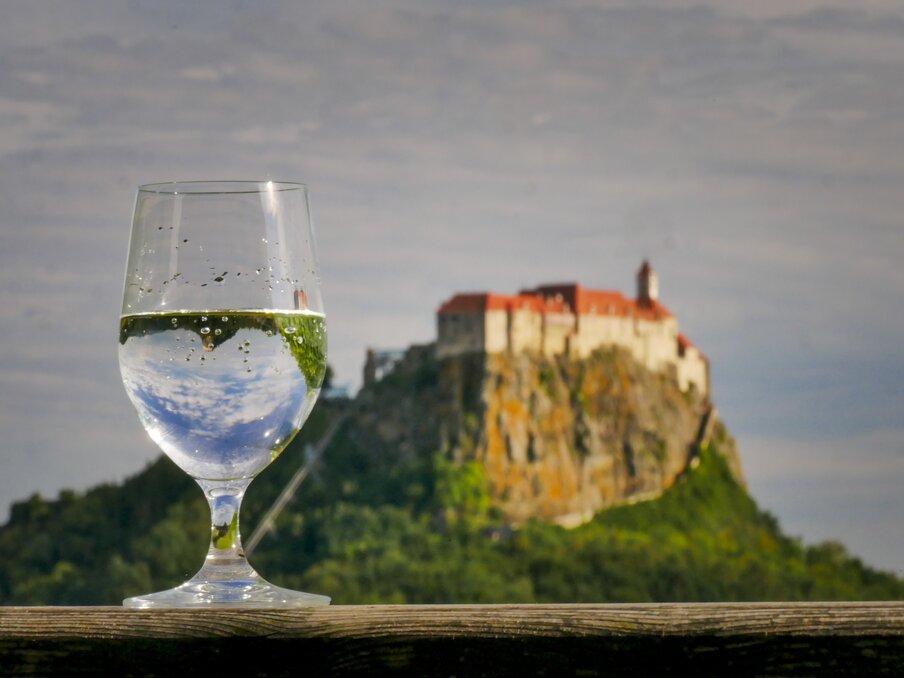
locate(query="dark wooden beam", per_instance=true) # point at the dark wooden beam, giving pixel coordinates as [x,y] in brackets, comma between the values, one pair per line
[746,639]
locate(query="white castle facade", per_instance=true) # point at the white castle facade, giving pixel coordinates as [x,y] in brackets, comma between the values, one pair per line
[570,319]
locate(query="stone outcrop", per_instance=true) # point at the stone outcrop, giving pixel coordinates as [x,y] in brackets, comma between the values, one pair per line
[558,438]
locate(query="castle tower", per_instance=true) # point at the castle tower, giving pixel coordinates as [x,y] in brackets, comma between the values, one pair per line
[647,284]
[370,368]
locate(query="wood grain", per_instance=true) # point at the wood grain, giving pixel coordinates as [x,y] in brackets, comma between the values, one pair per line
[459,640]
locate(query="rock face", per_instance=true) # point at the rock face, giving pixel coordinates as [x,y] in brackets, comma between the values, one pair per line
[558,438]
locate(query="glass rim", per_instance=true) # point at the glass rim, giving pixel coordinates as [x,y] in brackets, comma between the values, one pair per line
[220,187]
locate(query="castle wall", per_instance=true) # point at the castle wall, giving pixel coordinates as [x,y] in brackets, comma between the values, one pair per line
[525,330]
[555,332]
[657,343]
[496,339]
[595,330]
[652,342]
[459,333]
[692,369]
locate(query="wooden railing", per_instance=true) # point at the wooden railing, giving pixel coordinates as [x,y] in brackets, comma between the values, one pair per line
[757,639]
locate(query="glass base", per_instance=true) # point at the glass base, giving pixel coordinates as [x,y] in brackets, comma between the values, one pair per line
[248,589]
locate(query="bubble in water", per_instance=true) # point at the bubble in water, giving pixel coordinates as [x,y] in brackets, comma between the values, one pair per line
[290,330]
[205,330]
[218,331]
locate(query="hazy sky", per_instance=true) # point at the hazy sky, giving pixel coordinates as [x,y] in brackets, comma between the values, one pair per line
[754,151]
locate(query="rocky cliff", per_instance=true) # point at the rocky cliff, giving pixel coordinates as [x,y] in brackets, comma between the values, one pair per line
[557,438]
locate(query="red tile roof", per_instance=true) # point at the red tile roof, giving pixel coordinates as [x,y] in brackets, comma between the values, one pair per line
[558,298]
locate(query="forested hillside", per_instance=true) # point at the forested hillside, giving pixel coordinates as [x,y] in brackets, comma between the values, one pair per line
[424,531]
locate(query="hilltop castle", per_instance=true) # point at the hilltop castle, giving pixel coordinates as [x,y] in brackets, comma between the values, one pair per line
[570,319]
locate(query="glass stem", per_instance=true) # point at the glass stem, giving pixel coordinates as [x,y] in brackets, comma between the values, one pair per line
[225,557]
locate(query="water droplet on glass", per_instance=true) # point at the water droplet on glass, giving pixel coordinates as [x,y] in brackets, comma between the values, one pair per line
[218,331]
[269,333]
[258,271]
[225,318]
[175,322]
[185,240]
[219,278]
[290,330]
[205,330]
[246,343]
[203,318]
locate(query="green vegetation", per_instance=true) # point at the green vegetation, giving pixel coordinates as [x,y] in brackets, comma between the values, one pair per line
[424,532]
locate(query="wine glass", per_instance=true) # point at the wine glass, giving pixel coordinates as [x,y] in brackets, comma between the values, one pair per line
[222,350]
